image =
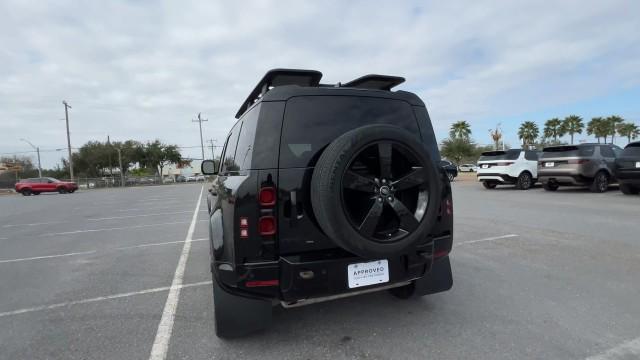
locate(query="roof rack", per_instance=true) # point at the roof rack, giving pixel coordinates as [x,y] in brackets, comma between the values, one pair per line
[376,82]
[280,77]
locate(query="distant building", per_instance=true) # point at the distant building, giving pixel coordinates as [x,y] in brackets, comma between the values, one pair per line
[174,170]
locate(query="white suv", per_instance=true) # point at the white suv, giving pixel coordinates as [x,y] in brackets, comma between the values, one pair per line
[515,166]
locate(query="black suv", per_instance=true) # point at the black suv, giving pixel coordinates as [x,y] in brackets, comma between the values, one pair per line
[628,169]
[326,191]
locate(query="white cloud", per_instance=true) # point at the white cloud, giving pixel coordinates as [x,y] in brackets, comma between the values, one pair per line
[137,69]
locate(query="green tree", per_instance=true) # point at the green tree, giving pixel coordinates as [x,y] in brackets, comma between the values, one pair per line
[612,125]
[457,149]
[528,132]
[630,130]
[553,129]
[597,127]
[460,130]
[157,155]
[571,125]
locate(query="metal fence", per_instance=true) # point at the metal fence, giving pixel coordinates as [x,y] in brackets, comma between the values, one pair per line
[109,182]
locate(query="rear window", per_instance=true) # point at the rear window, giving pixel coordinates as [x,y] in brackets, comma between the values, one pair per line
[632,150]
[567,151]
[312,122]
[512,154]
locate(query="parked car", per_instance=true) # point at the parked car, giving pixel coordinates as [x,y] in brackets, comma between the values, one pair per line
[339,195]
[35,186]
[468,168]
[589,165]
[627,169]
[181,178]
[200,178]
[514,166]
[450,168]
[191,178]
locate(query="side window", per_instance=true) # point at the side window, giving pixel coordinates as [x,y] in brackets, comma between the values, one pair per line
[244,151]
[587,150]
[606,151]
[617,150]
[228,163]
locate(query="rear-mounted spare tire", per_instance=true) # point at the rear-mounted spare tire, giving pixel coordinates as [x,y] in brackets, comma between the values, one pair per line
[375,191]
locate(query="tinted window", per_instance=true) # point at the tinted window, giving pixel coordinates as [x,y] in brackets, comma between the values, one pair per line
[606,151]
[567,151]
[244,151]
[512,154]
[312,122]
[632,150]
[229,164]
[531,155]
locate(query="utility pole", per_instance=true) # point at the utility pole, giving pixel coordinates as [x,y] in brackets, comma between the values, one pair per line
[121,170]
[200,120]
[212,142]
[38,151]
[109,156]
[66,116]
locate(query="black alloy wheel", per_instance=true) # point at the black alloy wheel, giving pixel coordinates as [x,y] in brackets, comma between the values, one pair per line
[26,192]
[489,184]
[384,194]
[524,181]
[600,183]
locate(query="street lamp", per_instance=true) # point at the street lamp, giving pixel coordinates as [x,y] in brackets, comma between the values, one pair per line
[38,151]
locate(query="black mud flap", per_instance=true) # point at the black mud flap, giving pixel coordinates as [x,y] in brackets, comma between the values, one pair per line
[237,316]
[438,280]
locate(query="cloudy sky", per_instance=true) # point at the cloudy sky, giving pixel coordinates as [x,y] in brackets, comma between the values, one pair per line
[144,69]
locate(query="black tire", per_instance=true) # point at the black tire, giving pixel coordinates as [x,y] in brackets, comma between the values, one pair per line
[62,190]
[72,191]
[36,193]
[26,192]
[550,186]
[600,182]
[525,181]
[489,184]
[629,189]
[404,292]
[237,316]
[380,200]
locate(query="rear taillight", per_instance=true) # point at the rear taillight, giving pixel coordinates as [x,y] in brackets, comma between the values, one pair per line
[578,161]
[505,163]
[261,283]
[267,196]
[267,225]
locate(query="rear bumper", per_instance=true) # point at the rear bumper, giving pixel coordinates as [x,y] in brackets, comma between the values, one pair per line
[503,178]
[630,176]
[566,176]
[282,280]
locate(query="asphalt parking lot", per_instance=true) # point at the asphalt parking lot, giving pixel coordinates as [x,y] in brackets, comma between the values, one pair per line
[537,275]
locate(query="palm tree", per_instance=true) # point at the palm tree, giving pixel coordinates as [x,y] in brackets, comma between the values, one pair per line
[460,130]
[496,135]
[571,125]
[630,130]
[553,129]
[612,124]
[528,132]
[598,128]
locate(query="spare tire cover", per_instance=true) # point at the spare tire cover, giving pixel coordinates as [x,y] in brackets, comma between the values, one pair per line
[375,191]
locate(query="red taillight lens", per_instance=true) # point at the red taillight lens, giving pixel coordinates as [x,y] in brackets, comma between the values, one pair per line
[261,283]
[440,253]
[267,225]
[448,207]
[267,196]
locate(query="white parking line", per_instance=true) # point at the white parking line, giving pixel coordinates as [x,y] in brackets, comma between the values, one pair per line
[47,257]
[35,224]
[628,350]
[111,229]
[163,335]
[149,208]
[486,239]
[141,215]
[95,251]
[157,244]
[100,298]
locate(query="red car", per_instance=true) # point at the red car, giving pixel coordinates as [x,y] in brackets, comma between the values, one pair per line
[36,186]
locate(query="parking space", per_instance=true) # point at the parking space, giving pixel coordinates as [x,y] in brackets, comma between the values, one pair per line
[536,275]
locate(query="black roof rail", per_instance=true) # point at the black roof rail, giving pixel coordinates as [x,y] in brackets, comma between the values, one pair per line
[280,77]
[376,82]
